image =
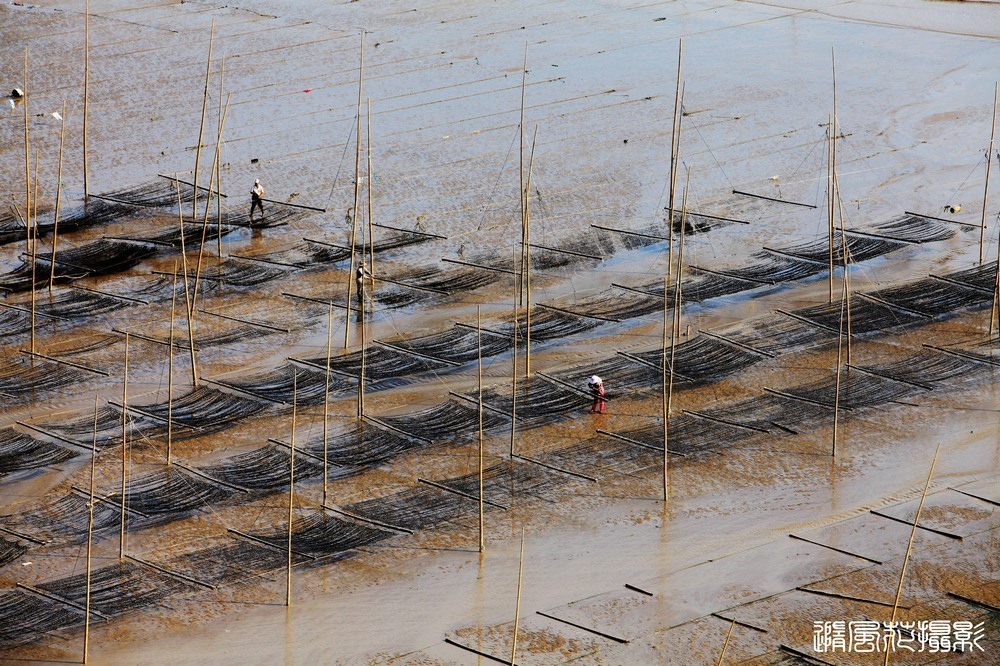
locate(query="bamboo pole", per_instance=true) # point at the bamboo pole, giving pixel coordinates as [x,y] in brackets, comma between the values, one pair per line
[520,172]
[371,236]
[361,368]
[291,491]
[674,334]
[833,162]
[170,367]
[90,535]
[218,154]
[121,542]
[204,224]
[989,161]
[86,94]
[845,251]
[666,399]
[326,403]
[33,242]
[517,605]
[725,645]
[513,362]
[27,155]
[527,263]
[479,346]
[55,219]
[840,360]
[829,204]
[201,131]
[909,546]
[675,146]
[189,305]
[357,194]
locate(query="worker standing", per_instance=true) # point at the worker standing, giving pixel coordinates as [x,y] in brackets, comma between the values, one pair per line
[256,199]
[596,386]
[363,274]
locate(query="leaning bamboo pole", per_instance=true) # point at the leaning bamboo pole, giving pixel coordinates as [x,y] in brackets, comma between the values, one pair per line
[326,405]
[201,131]
[675,145]
[27,155]
[204,223]
[121,535]
[846,252]
[357,195]
[291,491]
[520,172]
[517,605]
[674,334]
[666,400]
[86,94]
[513,360]
[840,362]
[479,346]
[909,546]
[833,167]
[33,242]
[989,162]
[90,535]
[55,218]
[189,305]
[726,644]
[527,263]
[218,155]
[170,367]
[371,235]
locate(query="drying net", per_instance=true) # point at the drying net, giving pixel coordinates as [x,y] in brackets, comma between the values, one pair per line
[67,518]
[768,412]
[321,535]
[548,325]
[444,421]
[536,399]
[156,194]
[101,257]
[15,322]
[10,551]
[457,344]
[416,508]
[118,588]
[857,390]
[307,386]
[21,278]
[263,469]
[859,248]
[170,491]
[205,409]
[981,277]
[463,279]
[932,297]
[192,237]
[867,316]
[97,212]
[778,336]
[20,452]
[359,446]
[80,429]
[771,269]
[23,379]
[933,367]
[239,273]
[703,358]
[615,304]
[914,229]
[25,618]
[76,303]
[380,362]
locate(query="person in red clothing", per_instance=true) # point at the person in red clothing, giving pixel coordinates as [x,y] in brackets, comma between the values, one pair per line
[596,387]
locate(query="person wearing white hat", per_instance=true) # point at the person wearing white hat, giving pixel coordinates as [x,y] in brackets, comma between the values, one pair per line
[363,274]
[256,199]
[596,386]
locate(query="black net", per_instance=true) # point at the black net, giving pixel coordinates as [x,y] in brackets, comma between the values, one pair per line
[859,248]
[170,491]
[914,229]
[240,273]
[263,469]
[102,257]
[24,618]
[444,421]
[75,303]
[206,409]
[982,277]
[536,398]
[10,551]
[457,344]
[772,269]
[615,304]
[416,508]
[932,297]
[66,518]
[156,194]
[866,316]
[307,386]
[194,234]
[22,380]
[118,588]
[20,452]
[81,428]
[321,535]
[857,390]
[380,362]
[361,445]
[933,367]
[781,335]
[702,358]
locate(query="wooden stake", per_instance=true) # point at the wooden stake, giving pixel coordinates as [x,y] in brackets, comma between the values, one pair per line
[121,543]
[189,304]
[86,93]
[170,367]
[479,345]
[675,146]
[357,194]
[527,263]
[989,161]
[291,490]
[513,362]
[517,606]
[55,220]
[726,644]
[326,403]
[909,545]
[201,131]
[90,536]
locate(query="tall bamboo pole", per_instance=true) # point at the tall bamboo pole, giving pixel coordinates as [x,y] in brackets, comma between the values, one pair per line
[201,131]
[170,367]
[357,194]
[27,155]
[989,162]
[189,305]
[55,219]
[218,154]
[121,540]
[909,546]
[291,490]
[675,146]
[33,241]
[90,536]
[513,359]
[86,94]
[517,606]
[527,263]
[840,360]
[833,162]
[326,403]
[371,183]
[846,252]
[675,332]
[830,206]
[666,399]
[479,346]
[520,172]
[204,222]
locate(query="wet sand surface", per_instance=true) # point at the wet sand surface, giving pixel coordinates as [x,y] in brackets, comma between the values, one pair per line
[768,529]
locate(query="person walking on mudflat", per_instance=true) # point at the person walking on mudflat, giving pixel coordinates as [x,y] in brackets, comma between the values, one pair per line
[363,274]
[256,199]
[596,387]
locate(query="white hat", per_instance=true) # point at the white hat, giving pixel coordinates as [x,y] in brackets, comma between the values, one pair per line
[594,380]
[256,181]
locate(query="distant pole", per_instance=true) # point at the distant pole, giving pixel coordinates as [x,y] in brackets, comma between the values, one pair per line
[121,541]
[90,535]
[520,171]
[846,252]
[357,195]
[55,220]
[371,183]
[189,305]
[291,490]
[909,545]
[218,153]
[27,155]
[833,162]
[830,205]
[326,403]
[840,361]
[479,346]
[33,237]
[527,263]
[666,397]
[989,161]
[675,147]
[201,132]
[86,93]
[674,333]
[517,606]
[170,367]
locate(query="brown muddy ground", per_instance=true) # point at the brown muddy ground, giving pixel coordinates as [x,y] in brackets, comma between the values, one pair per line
[914,85]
